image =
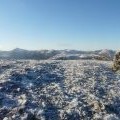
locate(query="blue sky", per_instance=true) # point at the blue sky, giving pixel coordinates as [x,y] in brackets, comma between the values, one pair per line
[60,24]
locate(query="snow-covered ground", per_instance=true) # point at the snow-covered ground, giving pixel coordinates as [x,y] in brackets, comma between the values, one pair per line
[59,90]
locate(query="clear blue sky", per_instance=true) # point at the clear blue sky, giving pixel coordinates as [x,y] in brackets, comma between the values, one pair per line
[60,24]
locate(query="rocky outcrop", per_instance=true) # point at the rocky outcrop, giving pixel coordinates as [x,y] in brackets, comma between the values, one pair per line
[116,62]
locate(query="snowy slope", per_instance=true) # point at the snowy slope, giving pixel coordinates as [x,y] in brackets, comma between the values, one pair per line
[59,90]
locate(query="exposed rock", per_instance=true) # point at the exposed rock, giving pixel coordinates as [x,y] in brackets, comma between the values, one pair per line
[116,64]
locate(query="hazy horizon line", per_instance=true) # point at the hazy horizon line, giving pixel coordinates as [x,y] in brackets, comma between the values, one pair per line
[56,49]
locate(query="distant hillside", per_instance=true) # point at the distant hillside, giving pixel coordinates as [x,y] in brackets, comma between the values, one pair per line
[57,54]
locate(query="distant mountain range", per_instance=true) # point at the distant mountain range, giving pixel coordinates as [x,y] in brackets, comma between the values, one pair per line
[57,54]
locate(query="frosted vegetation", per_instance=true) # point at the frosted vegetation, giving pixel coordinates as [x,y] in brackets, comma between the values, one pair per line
[59,90]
